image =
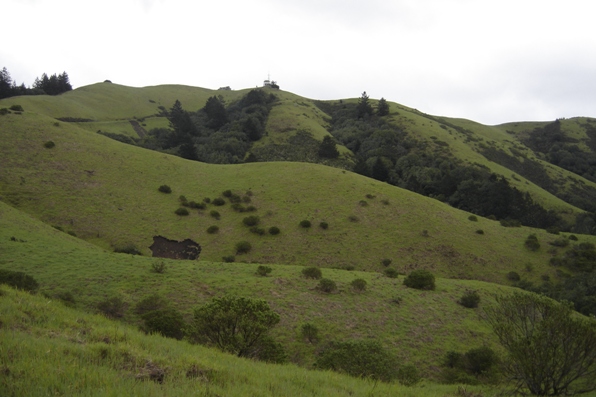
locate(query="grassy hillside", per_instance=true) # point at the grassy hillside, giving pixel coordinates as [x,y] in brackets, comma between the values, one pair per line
[78,186]
[48,349]
[416,326]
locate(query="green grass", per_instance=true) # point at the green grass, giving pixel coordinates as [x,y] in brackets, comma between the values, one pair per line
[78,185]
[48,349]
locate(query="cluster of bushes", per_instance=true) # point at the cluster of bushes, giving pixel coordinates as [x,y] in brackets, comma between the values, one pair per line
[385,152]
[475,366]
[218,133]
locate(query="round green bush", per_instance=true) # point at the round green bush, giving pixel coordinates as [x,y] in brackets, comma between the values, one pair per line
[18,280]
[359,284]
[251,220]
[513,276]
[305,224]
[312,272]
[473,218]
[263,270]
[49,144]
[165,189]
[408,375]
[214,214]
[479,231]
[470,299]
[218,201]
[572,237]
[227,193]
[391,273]
[420,279]
[386,262]
[228,258]
[257,230]
[326,285]
[324,225]
[213,229]
[243,247]
[274,230]
[181,211]
[166,322]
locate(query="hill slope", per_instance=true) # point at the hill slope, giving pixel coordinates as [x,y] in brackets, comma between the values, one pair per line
[78,186]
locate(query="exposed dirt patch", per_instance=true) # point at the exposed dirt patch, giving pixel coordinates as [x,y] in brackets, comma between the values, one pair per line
[166,248]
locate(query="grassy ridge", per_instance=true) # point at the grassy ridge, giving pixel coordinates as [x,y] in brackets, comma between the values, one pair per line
[419,327]
[78,185]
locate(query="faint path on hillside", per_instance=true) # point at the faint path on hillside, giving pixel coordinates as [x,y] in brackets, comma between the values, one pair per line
[138,129]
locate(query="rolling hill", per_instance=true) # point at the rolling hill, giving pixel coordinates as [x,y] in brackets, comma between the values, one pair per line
[65,207]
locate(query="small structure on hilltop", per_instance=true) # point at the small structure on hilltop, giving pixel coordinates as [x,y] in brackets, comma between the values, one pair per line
[270,84]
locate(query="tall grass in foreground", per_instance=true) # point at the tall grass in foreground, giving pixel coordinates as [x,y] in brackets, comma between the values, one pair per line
[48,349]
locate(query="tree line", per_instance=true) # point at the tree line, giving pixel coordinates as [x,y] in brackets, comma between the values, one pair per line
[44,85]
[386,152]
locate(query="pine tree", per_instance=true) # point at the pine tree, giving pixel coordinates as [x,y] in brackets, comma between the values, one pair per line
[328,148]
[5,83]
[382,107]
[364,107]
[216,113]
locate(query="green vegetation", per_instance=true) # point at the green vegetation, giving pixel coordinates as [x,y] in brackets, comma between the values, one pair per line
[18,280]
[420,279]
[234,325]
[549,350]
[264,270]
[312,272]
[326,285]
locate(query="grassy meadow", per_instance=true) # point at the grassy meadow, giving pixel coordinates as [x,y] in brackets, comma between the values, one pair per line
[64,209]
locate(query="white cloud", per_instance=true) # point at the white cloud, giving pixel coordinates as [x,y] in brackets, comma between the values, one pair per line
[491,61]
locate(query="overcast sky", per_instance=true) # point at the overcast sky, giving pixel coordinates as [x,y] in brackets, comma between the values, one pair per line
[489,61]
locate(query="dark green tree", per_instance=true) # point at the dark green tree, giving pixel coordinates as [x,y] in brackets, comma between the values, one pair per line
[379,170]
[551,350]
[364,108]
[234,324]
[167,322]
[382,107]
[5,84]
[216,113]
[328,148]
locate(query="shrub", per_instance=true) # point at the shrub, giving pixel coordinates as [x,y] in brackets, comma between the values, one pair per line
[532,243]
[181,211]
[158,267]
[4,111]
[470,299]
[165,189]
[274,230]
[479,231]
[359,284]
[553,230]
[479,360]
[18,280]
[473,218]
[257,230]
[513,276]
[386,262]
[246,199]
[212,229]
[243,247]
[49,144]
[560,242]
[113,307]
[150,303]
[228,259]
[67,298]
[364,359]
[252,220]
[127,249]
[251,208]
[227,193]
[234,198]
[572,237]
[166,322]
[312,272]
[238,207]
[408,375]
[270,351]
[309,332]
[327,285]
[420,279]
[182,199]
[370,196]
[324,225]
[207,200]
[218,201]
[194,204]
[305,224]
[263,270]
[214,214]
[510,222]
[391,273]
[17,108]
[363,203]
[353,218]
[425,233]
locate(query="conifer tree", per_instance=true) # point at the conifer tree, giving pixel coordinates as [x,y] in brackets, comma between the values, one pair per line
[364,107]
[382,107]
